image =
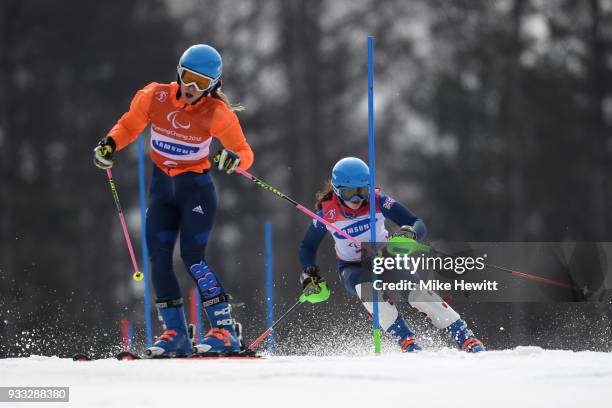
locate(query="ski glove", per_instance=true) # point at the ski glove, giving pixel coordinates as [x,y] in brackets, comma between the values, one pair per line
[227,161]
[403,242]
[405,231]
[103,153]
[315,288]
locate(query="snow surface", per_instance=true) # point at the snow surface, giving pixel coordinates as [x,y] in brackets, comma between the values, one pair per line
[524,377]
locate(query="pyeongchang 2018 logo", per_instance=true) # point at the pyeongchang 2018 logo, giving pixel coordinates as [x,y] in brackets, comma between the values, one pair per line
[175,123]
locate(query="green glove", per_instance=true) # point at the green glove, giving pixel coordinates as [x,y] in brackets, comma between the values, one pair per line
[315,292]
[405,231]
[402,243]
[314,287]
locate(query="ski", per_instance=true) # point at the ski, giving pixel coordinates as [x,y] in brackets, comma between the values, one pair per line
[129,356]
[242,355]
[82,357]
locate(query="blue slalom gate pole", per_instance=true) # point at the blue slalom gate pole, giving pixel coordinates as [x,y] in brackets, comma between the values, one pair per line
[143,240]
[200,334]
[372,165]
[269,285]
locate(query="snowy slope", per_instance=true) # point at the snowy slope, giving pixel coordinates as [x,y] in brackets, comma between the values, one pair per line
[525,377]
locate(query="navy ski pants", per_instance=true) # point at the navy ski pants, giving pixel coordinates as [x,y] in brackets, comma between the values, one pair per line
[185,204]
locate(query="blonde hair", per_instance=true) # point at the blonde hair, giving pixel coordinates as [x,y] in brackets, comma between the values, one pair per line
[217,93]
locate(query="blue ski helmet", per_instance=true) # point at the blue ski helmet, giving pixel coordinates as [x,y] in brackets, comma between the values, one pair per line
[204,60]
[352,175]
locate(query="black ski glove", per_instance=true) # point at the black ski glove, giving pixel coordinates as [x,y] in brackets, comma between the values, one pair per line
[314,287]
[310,276]
[405,231]
[227,161]
[103,153]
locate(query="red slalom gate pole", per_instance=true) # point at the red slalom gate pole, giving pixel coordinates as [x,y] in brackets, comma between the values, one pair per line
[125,334]
[193,312]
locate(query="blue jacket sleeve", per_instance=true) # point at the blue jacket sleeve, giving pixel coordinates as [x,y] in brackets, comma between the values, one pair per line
[401,215]
[310,243]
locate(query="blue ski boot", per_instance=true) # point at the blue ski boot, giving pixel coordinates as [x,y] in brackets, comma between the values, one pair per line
[174,341]
[400,329]
[464,337]
[224,338]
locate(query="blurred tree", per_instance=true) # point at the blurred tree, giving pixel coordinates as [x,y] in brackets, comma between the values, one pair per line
[493,123]
[516,94]
[65,69]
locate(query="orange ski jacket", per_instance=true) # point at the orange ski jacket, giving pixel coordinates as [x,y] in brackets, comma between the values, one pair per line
[181,133]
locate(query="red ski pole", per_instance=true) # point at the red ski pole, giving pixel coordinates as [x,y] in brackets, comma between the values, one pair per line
[584,291]
[137,276]
[271,328]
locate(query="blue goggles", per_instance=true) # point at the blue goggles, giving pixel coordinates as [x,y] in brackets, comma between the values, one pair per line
[352,193]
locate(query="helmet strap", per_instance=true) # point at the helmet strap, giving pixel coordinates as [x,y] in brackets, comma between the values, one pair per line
[178,91]
[214,89]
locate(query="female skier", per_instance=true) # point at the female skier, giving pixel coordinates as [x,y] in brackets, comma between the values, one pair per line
[184,116]
[345,204]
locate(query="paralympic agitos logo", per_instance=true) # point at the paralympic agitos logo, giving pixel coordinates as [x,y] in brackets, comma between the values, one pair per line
[175,123]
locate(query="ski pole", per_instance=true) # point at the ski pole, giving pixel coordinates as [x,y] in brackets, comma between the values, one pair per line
[584,291]
[300,207]
[137,276]
[297,205]
[271,328]
[417,246]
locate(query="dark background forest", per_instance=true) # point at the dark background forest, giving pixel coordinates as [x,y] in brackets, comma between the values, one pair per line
[493,123]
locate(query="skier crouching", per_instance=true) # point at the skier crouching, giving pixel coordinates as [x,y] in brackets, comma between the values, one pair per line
[345,204]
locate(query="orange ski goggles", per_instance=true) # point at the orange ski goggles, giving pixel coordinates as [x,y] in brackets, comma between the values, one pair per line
[201,82]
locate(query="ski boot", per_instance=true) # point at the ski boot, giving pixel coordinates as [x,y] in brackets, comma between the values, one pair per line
[174,341]
[400,329]
[409,345]
[464,338]
[224,339]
